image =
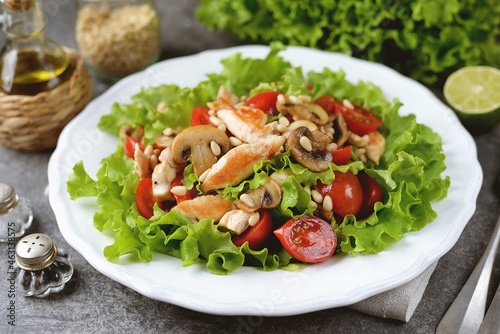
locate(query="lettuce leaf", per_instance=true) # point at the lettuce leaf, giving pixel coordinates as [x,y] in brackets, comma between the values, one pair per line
[426,40]
[409,173]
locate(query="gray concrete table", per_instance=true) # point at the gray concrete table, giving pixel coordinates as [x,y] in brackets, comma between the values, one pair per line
[93,303]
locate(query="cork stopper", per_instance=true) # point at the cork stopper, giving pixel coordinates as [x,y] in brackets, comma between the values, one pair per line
[17,6]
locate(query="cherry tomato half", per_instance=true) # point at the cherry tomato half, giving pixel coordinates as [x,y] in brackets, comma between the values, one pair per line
[308,239]
[190,194]
[342,156]
[200,116]
[359,120]
[265,101]
[144,198]
[129,146]
[258,234]
[327,103]
[372,193]
[345,191]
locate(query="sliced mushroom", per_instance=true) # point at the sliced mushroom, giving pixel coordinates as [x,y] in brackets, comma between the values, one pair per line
[309,148]
[195,142]
[238,163]
[341,134]
[235,221]
[267,196]
[302,110]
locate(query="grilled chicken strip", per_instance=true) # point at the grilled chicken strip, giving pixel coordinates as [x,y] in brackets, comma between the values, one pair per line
[208,206]
[237,164]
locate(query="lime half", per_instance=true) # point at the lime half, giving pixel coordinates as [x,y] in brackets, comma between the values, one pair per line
[474,93]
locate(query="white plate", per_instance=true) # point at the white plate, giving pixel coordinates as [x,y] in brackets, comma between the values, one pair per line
[338,282]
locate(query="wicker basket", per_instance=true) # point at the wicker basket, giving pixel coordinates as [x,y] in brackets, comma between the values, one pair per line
[33,123]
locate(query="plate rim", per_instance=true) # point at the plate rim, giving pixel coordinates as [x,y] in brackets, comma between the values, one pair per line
[234,308]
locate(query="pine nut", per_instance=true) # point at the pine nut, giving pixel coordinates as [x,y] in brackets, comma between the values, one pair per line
[282,128]
[153,161]
[331,147]
[284,121]
[305,98]
[203,175]
[316,196]
[254,219]
[235,141]
[281,99]
[295,100]
[215,148]
[168,132]
[215,121]
[148,150]
[222,127]
[161,106]
[313,205]
[307,189]
[179,190]
[348,104]
[245,198]
[327,203]
[211,112]
[306,143]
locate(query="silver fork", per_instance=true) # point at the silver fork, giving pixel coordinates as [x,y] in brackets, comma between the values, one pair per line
[467,311]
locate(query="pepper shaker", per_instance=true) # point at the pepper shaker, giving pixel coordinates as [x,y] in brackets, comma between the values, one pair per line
[43,269]
[15,214]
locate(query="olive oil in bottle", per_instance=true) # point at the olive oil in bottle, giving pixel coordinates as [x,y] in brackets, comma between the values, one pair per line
[30,63]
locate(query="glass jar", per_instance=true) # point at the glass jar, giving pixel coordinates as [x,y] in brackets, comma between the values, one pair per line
[43,268]
[15,214]
[117,37]
[30,62]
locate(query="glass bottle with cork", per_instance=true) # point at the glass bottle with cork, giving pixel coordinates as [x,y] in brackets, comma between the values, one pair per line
[30,62]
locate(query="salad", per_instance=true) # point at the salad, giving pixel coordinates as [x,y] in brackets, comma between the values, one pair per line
[262,165]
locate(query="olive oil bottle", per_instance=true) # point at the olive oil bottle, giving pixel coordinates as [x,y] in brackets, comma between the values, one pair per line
[30,62]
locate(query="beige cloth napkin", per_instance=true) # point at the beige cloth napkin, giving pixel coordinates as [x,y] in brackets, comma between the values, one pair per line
[398,303]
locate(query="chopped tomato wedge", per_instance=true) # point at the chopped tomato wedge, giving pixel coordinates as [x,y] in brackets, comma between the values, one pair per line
[129,146]
[327,103]
[308,239]
[342,156]
[144,198]
[258,234]
[190,194]
[265,101]
[359,120]
[200,116]
[345,192]
[372,193]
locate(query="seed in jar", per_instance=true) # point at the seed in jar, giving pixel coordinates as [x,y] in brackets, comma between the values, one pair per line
[306,143]
[104,35]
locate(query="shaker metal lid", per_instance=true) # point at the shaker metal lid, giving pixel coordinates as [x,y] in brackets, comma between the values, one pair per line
[8,198]
[35,252]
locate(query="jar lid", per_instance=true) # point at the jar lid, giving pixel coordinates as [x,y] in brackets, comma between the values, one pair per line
[8,198]
[35,252]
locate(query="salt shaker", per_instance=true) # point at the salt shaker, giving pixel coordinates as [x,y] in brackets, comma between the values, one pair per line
[15,214]
[43,269]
